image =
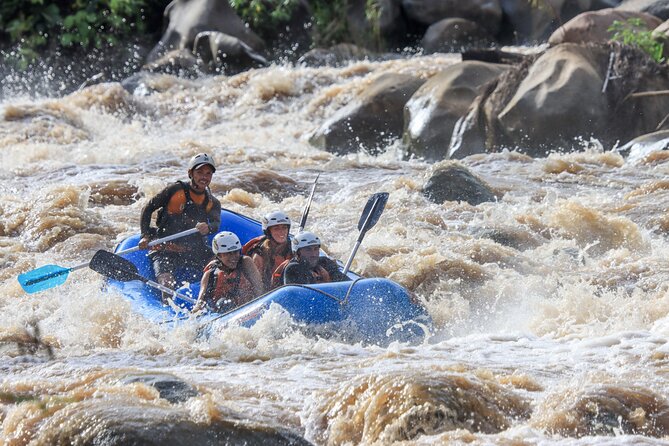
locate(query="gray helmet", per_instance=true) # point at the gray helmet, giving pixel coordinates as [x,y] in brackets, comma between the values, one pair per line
[199,159]
[274,219]
[225,242]
[304,239]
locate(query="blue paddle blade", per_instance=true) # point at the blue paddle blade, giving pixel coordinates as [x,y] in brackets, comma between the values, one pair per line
[43,278]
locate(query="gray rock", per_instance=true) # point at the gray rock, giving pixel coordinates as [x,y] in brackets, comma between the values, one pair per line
[593,26]
[527,24]
[370,121]
[434,109]
[168,386]
[454,182]
[221,52]
[187,18]
[487,13]
[658,8]
[454,35]
[561,100]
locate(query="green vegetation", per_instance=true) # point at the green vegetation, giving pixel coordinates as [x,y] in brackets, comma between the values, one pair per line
[264,16]
[635,32]
[373,16]
[35,25]
[330,25]
[330,21]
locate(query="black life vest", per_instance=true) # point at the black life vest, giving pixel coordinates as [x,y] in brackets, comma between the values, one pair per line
[190,215]
[314,275]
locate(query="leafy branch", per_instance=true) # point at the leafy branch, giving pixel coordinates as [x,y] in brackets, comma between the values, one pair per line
[635,32]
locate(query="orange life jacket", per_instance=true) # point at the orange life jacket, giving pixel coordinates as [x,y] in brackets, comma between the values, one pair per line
[319,274]
[227,289]
[267,260]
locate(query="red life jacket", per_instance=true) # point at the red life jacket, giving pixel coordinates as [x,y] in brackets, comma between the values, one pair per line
[320,274]
[267,259]
[227,289]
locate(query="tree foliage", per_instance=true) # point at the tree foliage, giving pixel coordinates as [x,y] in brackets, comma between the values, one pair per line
[36,24]
[264,15]
[635,32]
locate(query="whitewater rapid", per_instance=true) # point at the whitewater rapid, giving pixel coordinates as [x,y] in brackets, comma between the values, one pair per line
[550,304]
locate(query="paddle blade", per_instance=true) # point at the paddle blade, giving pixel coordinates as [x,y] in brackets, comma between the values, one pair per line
[113,266]
[372,212]
[43,278]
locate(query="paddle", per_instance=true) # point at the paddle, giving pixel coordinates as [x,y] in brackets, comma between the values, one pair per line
[117,268]
[370,215]
[50,276]
[305,213]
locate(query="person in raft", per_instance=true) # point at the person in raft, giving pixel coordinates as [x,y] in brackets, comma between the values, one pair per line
[231,279]
[307,267]
[181,206]
[271,249]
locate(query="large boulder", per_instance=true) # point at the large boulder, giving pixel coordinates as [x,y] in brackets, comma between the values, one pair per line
[559,100]
[454,182]
[187,18]
[569,94]
[371,121]
[222,53]
[658,8]
[433,110]
[525,23]
[486,13]
[454,35]
[169,387]
[594,26]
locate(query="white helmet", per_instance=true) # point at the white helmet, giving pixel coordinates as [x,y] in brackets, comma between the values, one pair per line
[225,242]
[199,159]
[304,239]
[274,219]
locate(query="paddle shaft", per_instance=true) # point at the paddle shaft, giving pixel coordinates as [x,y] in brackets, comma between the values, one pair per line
[305,213]
[166,289]
[350,257]
[169,238]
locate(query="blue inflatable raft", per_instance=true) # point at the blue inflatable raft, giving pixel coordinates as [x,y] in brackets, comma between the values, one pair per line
[372,310]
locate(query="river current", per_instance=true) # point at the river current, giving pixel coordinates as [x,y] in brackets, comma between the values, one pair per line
[550,305]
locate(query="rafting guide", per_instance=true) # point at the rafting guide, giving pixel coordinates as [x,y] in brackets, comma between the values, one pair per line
[181,206]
